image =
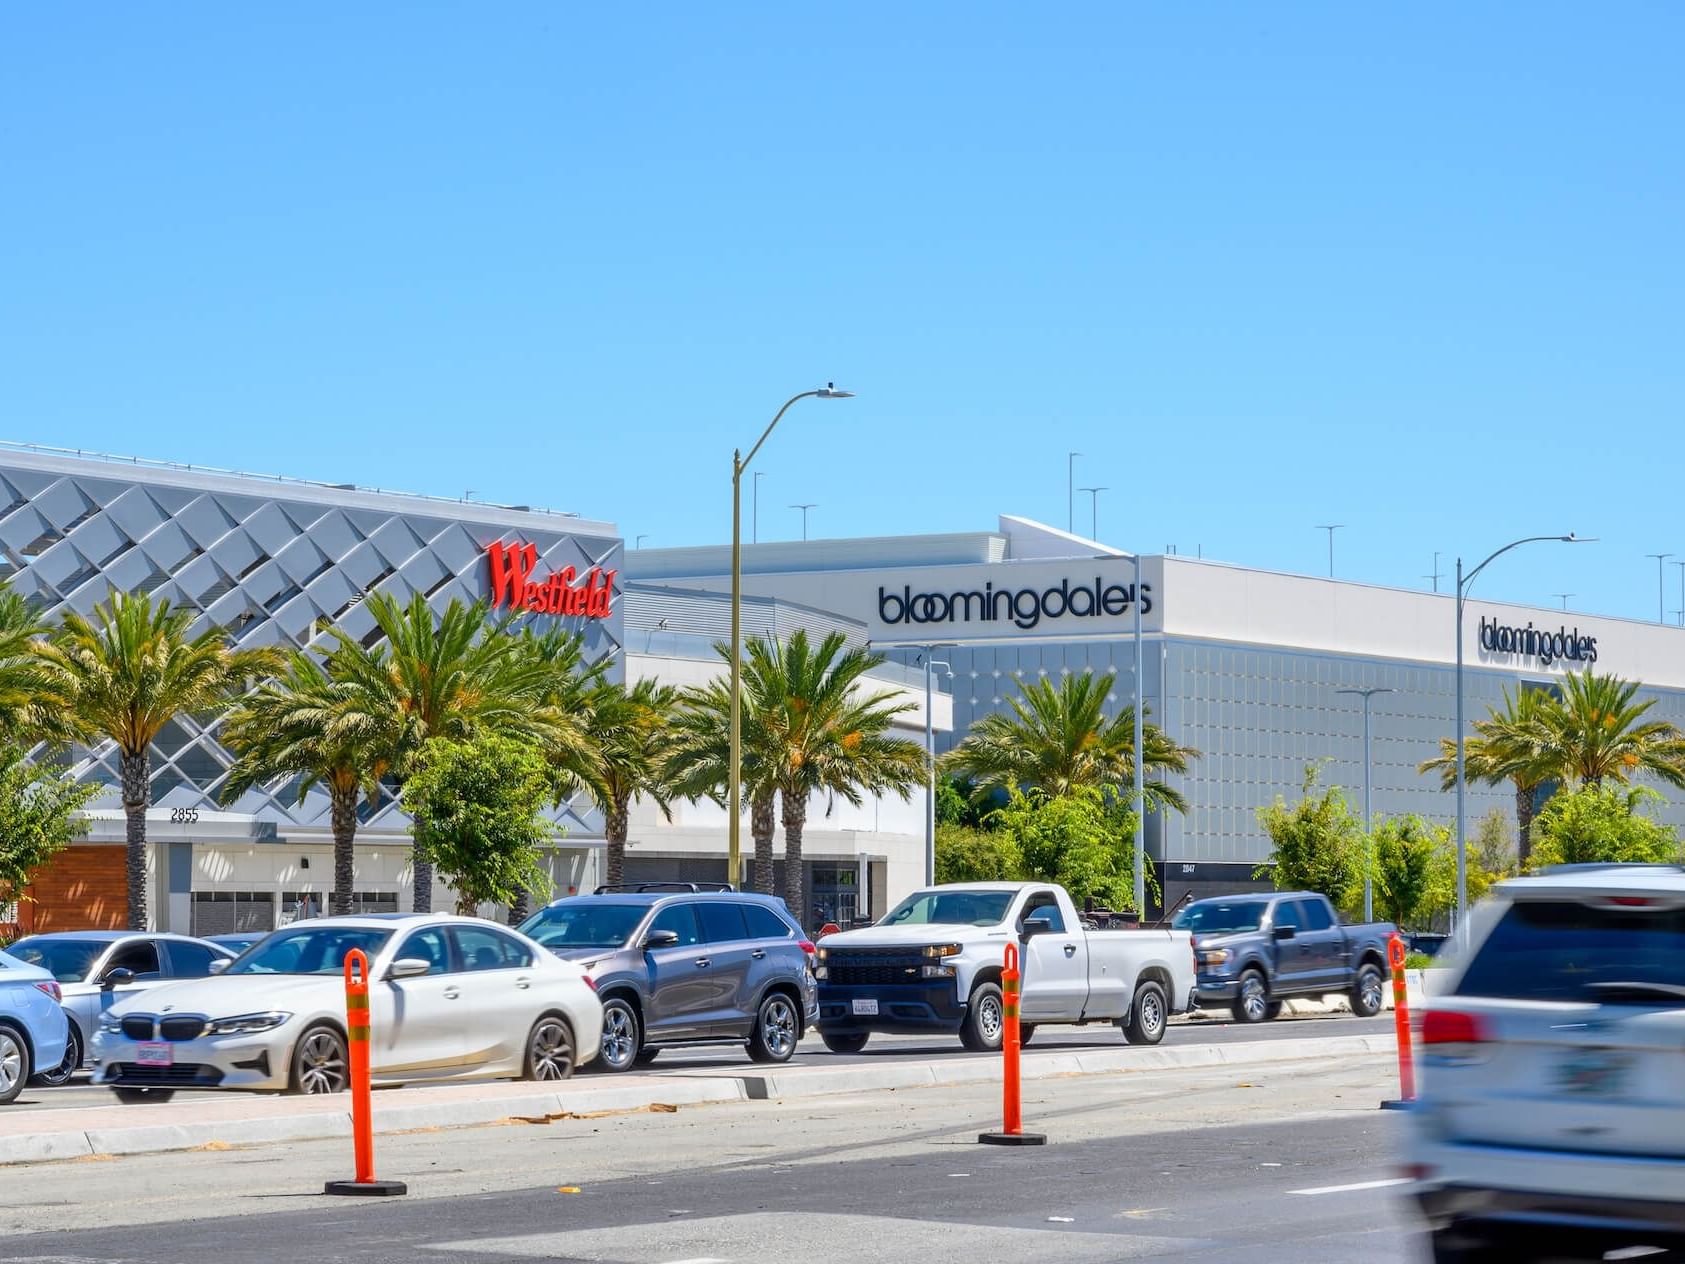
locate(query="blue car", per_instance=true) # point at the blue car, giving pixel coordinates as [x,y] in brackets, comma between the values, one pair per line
[33,1028]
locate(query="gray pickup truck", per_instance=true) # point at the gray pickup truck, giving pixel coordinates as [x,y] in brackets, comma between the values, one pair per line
[1256,951]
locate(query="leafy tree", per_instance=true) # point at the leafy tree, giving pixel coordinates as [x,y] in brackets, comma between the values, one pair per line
[1403,849]
[1494,843]
[1600,734]
[1601,823]
[318,728]
[1518,744]
[1077,840]
[626,739]
[476,806]
[967,854]
[959,803]
[38,806]
[1442,888]
[1317,844]
[127,672]
[1058,739]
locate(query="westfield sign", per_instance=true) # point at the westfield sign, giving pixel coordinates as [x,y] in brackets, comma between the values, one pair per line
[560,592]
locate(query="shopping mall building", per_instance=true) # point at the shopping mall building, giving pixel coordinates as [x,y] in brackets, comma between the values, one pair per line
[1246,666]
[287,561]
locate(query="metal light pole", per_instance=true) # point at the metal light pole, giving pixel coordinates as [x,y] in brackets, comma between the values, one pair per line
[1435,576]
[1368,812]
[1331,528]
[1463,583]
[1564,597]
[755,502]
[1138,790]
[734,775]
[639,542]
[1661,602]
[812,504]
[1681,566]
[930,773]
[1070,492]
[1093,510]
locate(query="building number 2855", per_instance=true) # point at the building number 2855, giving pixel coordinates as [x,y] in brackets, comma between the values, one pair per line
[184,816]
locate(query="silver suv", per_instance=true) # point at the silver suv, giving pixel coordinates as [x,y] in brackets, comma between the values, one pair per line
[675,965]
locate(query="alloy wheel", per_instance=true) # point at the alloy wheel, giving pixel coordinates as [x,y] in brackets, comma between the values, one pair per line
[1253,998]
[551,1054]
[321,1064]
[11,1063]
[620,1035]
[1372,991]
[778,1027]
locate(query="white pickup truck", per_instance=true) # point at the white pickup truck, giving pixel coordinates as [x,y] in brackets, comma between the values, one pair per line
[934,964]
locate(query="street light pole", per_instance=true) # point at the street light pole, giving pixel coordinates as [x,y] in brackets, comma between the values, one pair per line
[930,772]
[734,775]
[812,504]
[1463,583]
[1138,789]
[1368,812]
[1093,510]
[1331,528]
[1681,566]
[1661,601]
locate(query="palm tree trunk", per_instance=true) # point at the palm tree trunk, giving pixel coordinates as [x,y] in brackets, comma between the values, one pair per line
[343,816]
[521,908]
[615,827]
[1524,797]
[422,900]
[137,787]
[795,884]
[761,825]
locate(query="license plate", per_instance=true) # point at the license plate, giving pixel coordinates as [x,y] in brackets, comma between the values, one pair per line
[1594,1073]
[866,1009]
[155,1053]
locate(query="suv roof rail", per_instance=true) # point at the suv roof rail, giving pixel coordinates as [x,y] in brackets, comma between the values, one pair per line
[640,887]
[1593,866]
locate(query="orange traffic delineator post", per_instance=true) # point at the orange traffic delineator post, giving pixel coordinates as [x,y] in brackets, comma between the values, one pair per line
[1401,1022]
[1012,1131]
[362,1112]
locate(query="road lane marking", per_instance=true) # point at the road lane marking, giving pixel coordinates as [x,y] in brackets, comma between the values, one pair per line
[1352,1189]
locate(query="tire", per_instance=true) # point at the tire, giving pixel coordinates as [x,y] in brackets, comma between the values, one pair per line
[320,1062]
[1025,1031]
[1272,1011]
[622,1036]
[130,1095]
[14,1064]
[985,1019]
[778,1026]
[1252,1004]
[646,1056]
[845,1041]
[1366,995]
[60,1075]
[1454,1245]
[550,1051]
[1148,1015]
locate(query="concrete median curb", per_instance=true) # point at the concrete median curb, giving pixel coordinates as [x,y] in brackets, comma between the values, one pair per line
[82,1132]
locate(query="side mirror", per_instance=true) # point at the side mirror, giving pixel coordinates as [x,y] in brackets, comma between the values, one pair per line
[408,968]
[219,965]
[1034,926]
[117,976]
[661,939]
[1283,932]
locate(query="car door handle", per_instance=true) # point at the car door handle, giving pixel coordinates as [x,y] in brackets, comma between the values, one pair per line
[759,954]
[451,994]
[523,983]
[1070,950]
[704,961]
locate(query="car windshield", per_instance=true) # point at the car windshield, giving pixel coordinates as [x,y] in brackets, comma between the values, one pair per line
[584,924]
[67,960]
[309,950]
[1560,950]
[1221,917]
[951,908]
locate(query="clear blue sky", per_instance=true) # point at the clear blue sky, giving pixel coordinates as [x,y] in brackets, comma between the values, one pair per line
[1418,272]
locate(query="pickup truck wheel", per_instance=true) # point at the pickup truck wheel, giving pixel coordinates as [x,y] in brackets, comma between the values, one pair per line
[1025,1031]
[985,1019]
[845,1041]
[1272,1011]
[1366,996]
[1252,1005]
[1147,1016]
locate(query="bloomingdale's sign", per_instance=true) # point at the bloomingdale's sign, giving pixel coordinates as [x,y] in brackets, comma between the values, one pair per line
[1023,607]
[1548,647]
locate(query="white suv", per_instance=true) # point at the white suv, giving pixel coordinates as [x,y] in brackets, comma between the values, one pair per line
[1551,1121]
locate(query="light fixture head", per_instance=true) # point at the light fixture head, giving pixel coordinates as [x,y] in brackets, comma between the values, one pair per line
[830,391]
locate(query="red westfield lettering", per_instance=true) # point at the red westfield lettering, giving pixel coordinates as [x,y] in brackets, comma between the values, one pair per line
[561,592]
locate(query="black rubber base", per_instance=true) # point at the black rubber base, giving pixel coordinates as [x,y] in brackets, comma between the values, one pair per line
[367,1189]
[1012,1138]
[1397,1104]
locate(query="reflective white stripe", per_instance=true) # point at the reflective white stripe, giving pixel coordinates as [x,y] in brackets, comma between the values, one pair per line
[1347,1189]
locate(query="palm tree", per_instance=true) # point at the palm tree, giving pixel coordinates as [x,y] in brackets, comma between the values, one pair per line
[28,711]
[459,674]
[129,671]
[315,727]
[700,759]
[627,735]
[1516,744]
[826,734]
[1600,733]
[1057,738]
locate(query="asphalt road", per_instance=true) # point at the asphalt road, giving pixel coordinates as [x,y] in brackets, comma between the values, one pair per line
[882,1048]
[1295,1166]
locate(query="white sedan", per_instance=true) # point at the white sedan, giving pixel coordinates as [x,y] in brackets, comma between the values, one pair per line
[449,998]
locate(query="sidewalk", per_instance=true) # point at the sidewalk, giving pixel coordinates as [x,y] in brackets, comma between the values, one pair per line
[241,1119]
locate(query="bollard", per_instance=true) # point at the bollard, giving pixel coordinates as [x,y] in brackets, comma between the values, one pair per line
[1012,1130]
[1401,1022]
[362,1112]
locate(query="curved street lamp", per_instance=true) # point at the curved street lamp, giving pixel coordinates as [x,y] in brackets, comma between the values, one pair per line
[739,463]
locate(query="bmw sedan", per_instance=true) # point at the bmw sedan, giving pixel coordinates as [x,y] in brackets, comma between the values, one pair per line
[33,1028]
[450,998]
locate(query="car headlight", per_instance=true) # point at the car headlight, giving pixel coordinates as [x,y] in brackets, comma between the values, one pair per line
[936,972]
[942,950]
[1213,956]
[821,972]
[242,1024]
[822,952]
[110,1026]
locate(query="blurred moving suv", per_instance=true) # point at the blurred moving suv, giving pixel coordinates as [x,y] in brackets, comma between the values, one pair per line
[676,965]
[33,1028]
[1551,1113]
